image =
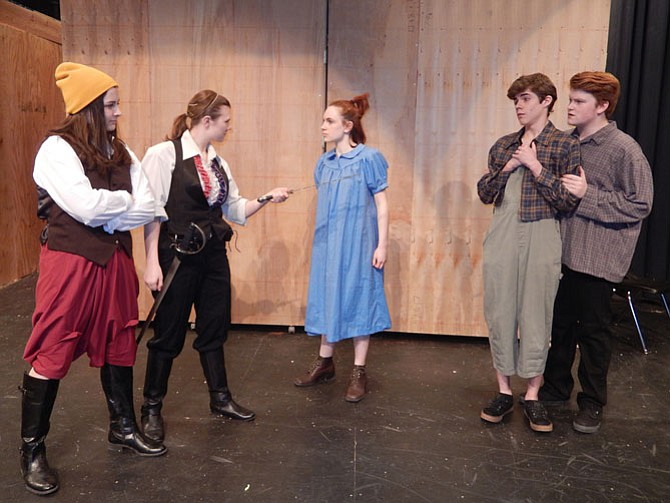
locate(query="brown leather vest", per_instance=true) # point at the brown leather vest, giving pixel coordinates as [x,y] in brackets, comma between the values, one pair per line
[66,234]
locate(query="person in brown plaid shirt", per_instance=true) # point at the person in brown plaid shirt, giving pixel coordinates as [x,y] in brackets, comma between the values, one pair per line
[522,248]
[616,191]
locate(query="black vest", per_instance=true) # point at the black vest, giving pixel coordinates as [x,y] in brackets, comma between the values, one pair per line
[186,201]
[66,234]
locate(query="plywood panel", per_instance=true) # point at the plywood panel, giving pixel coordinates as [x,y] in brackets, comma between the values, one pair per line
[30,105]
[266,57]
[372,47]
[462,55]
[113,38]
[30,21]
[437,73]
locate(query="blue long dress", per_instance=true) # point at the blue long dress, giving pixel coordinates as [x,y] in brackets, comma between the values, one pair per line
[346,293]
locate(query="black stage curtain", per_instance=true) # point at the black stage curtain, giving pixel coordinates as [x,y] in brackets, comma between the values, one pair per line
[638,53]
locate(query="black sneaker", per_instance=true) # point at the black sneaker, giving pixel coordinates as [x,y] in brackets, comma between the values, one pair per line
[537,416]
[497,408]
[588,419]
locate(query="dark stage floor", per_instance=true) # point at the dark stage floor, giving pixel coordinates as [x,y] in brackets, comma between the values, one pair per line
[417,437]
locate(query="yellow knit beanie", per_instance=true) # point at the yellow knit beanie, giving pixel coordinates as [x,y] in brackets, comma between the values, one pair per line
[81,85]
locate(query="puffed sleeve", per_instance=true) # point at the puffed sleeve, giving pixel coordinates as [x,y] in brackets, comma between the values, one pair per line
[375,171]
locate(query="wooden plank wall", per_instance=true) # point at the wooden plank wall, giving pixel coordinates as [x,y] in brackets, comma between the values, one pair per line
[266,57]
[30,104]
[437,73]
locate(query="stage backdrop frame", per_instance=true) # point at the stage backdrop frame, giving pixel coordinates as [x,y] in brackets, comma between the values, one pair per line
[437,73]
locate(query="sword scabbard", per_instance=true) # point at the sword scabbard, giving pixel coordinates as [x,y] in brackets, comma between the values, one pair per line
[182,247]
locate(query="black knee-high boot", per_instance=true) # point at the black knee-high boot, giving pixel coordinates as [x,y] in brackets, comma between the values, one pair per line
[39,396]
[220,399]
[117,383]
[155,388]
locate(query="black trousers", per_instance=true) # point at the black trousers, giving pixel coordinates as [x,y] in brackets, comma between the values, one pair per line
[202,281]
[582,316]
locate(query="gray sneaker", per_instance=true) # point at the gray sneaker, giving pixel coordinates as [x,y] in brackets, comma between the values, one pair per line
[588,419]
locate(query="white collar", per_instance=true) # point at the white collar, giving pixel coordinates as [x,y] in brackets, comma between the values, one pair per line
[191,149]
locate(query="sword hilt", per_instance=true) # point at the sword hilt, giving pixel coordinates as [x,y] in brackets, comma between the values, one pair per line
[184,247]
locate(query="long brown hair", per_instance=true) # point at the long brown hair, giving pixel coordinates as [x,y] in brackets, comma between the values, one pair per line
[86,132]
[202,104]
[353,110]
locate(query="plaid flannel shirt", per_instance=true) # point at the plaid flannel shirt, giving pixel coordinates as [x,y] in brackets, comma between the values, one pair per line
[600,235]
[543,196]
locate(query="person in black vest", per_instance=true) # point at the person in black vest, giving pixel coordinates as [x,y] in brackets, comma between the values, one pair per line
[91,192]
[192,183]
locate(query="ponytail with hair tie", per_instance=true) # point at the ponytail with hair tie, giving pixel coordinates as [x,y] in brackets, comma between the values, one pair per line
[353,110]
[361,103]
[203,103]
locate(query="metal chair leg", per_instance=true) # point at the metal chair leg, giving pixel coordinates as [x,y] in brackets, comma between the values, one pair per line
[665,303]
[637,323]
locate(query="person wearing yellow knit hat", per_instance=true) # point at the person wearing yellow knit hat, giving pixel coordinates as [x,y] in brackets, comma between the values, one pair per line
[91,192]
[81,84]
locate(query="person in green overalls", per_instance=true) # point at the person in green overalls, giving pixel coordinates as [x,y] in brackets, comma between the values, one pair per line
[522,248]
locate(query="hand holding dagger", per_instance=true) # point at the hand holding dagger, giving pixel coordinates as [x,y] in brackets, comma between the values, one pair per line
[268,197]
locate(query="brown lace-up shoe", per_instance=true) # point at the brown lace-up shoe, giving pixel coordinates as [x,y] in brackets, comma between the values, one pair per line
[358,384]
[322,370]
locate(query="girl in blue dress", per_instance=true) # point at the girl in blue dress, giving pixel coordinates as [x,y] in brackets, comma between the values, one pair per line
[346,286]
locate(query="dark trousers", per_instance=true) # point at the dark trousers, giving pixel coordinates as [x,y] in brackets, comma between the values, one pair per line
[202,281]
[582,316]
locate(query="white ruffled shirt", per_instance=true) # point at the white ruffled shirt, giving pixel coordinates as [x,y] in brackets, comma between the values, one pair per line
[159,162]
